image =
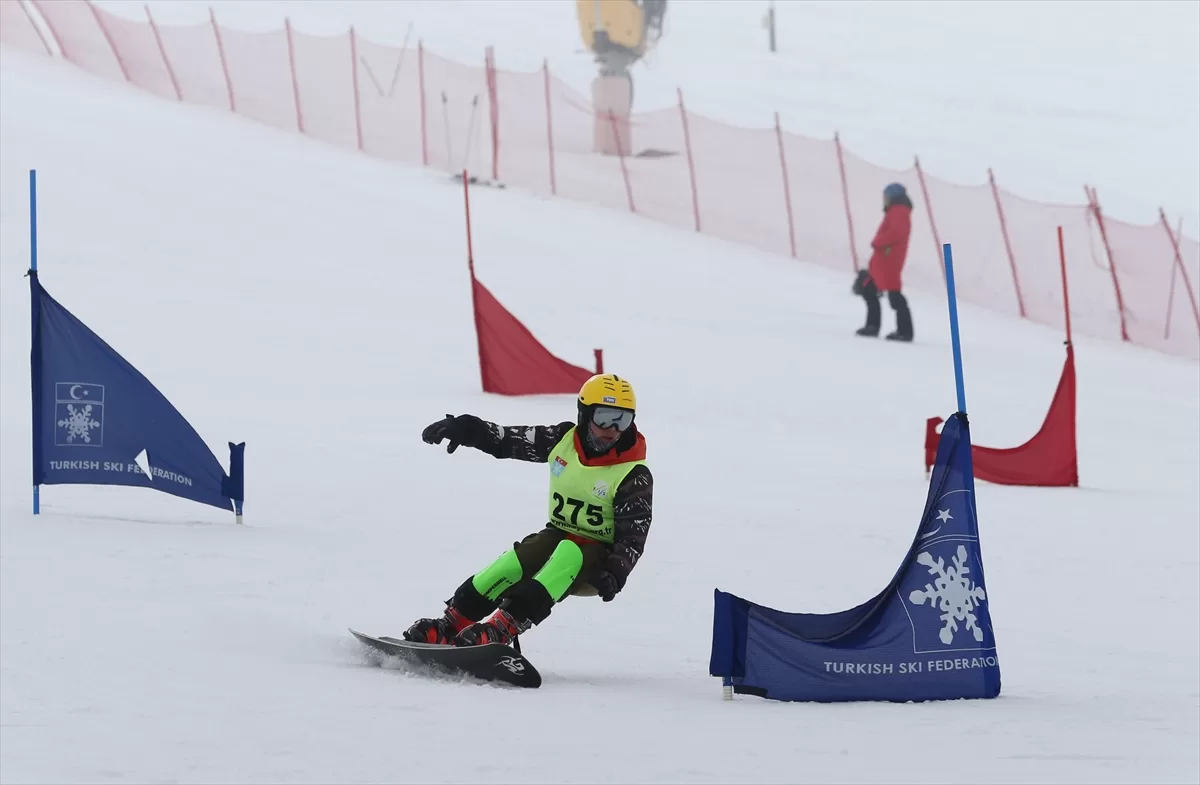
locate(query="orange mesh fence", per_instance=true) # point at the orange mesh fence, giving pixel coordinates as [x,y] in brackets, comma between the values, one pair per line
[779,192]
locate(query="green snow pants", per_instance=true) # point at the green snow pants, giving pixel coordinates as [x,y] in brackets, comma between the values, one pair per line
[533,575]
[562,565]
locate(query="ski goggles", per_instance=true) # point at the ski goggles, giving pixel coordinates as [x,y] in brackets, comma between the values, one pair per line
[608,417]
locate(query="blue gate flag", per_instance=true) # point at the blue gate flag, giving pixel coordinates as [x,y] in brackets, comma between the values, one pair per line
[927,636]
[97,420]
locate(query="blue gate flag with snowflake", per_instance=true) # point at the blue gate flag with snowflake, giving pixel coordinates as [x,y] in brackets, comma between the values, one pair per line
[927,636]
[98,421]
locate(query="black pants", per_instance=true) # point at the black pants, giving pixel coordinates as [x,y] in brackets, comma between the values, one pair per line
[904,325]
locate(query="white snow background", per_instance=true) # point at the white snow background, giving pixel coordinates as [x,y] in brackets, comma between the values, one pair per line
[315,303]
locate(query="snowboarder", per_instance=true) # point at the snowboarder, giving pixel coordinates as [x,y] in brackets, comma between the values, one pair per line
[889,249]
[599,515]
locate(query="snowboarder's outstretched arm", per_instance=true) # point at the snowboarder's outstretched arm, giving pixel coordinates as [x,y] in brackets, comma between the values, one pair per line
[632,514]
[531,443]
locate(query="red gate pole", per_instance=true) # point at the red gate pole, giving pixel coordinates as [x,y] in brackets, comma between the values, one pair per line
[1094,204]
[550,129]
[162,50]
[287,26]
[1183,270]
[107,37]
[846,199]
[224,62]
[1062,261]
[787,189]
[687,143]
[1012,260]
[354,76]
[424,124]
[937,242]
[612,119]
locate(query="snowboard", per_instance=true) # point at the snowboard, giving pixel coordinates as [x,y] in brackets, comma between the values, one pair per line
[490,662]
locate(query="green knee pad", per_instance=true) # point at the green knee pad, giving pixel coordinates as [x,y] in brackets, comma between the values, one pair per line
[498,576]
[561,569]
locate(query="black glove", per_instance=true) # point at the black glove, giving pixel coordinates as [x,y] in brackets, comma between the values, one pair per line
[606,585]
[860,282]
[464,429]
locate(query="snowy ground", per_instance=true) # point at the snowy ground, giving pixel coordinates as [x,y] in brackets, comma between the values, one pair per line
[315,304]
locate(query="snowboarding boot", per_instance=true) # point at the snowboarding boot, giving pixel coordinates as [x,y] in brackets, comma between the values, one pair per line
[443,630]
[500,628]
[868,331]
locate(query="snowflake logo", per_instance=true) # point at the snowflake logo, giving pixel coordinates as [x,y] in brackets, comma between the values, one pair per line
[79,423]
[952,592]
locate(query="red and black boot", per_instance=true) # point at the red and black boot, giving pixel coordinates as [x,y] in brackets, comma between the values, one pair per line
[466,607]
[500,628]
[443,630]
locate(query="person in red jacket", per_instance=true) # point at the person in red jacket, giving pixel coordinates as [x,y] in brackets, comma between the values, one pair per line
[889,249]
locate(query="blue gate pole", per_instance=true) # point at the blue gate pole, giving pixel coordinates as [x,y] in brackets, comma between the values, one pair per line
[947,256]
[37,502]
[33,265]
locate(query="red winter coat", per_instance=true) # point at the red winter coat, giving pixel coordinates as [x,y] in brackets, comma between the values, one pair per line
[890,248]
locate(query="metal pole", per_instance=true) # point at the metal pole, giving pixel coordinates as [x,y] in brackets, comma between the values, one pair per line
[947,257]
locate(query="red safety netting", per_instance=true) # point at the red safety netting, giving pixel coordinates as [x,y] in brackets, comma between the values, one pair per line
[967,217]
[739,183]
[259,71]
[458,121]
[1185,286]
[1032,230]
[325,76]
[782,193]
[138,53]
[389,92]
[523,155]
[1152,287]
[76,30]
[17,28]
[820,232]
[582,174]
[194,59]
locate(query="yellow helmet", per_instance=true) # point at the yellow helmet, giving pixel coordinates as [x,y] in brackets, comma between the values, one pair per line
[607,401]
[608,389]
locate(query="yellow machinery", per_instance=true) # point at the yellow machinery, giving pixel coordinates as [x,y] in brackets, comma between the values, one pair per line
[618,33]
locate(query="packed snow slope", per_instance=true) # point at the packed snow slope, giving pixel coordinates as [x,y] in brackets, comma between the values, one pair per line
[1051,95]
[315,303]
